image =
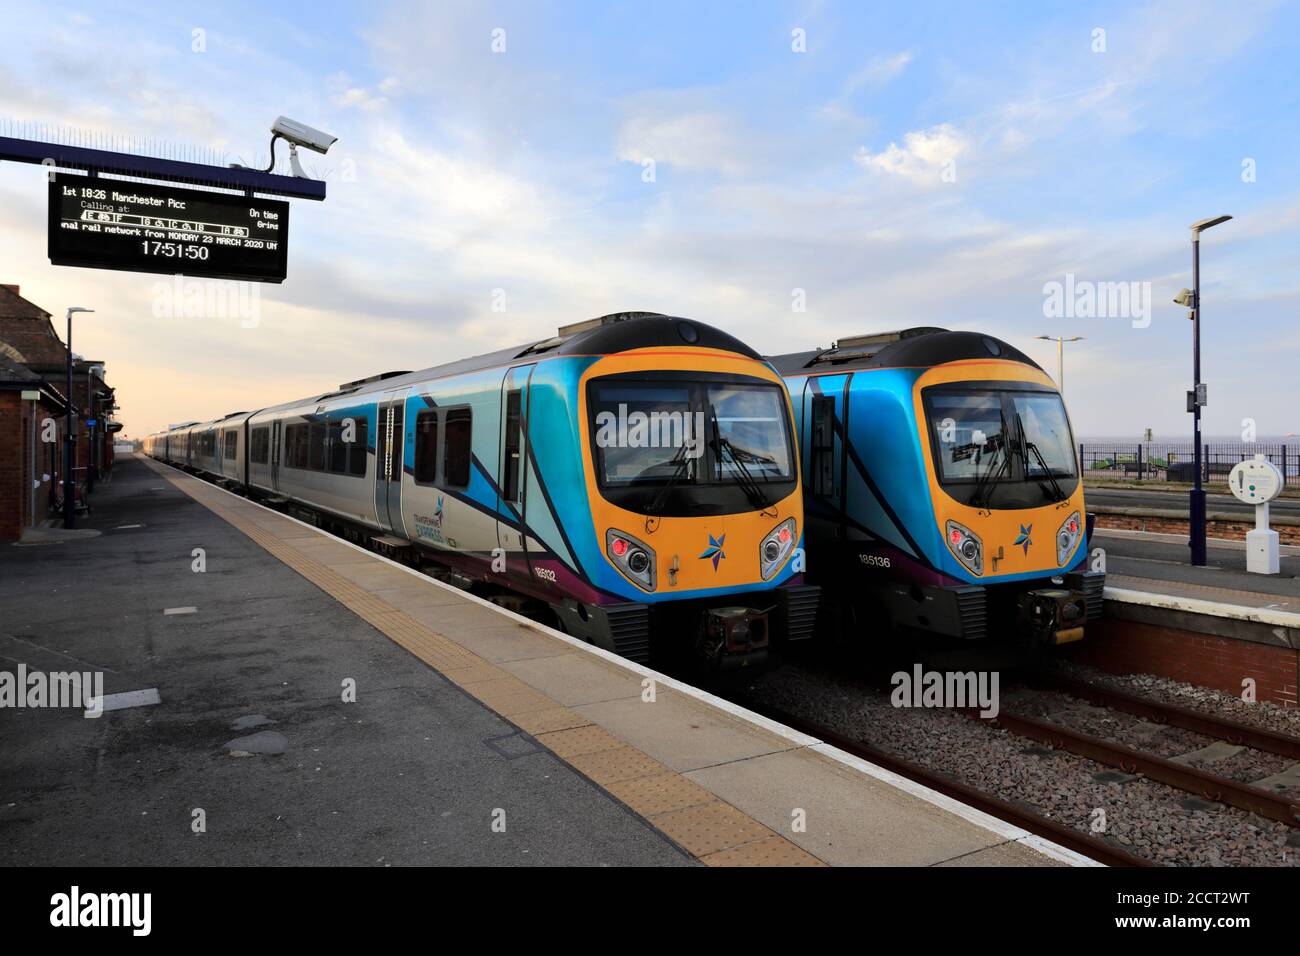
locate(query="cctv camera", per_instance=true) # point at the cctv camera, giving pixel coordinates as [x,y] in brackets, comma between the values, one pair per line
[300,134]
[1186,298]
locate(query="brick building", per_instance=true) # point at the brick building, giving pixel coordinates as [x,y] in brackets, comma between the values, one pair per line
[31,456]
[33,375]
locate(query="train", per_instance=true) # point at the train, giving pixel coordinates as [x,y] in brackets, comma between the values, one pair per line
[636,474]
[941,488]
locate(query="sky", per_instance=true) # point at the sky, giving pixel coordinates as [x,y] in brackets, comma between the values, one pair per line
[790,172]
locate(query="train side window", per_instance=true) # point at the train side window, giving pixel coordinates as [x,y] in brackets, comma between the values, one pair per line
[316,452]
[457,447]
[232,443]
[357,450]
[426,446]
[338,450]
[510,484]
[257,446]
[295,437]
[823,446]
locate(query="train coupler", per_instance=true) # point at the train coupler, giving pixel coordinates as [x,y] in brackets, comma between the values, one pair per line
[733,637]
[1053,615]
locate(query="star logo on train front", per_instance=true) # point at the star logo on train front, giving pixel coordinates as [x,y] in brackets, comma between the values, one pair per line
[714,550]
[1024,540]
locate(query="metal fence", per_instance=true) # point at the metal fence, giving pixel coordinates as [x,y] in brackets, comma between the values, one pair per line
[1160,461]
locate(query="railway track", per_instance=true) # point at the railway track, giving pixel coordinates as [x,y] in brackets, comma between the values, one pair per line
[1067,836]
[1209,786]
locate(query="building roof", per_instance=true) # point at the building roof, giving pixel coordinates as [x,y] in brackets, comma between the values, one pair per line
[26,327]
[14,376]
[12,371]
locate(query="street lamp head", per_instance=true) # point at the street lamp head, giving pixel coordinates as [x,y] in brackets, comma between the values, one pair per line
[76,308]
[1202,225]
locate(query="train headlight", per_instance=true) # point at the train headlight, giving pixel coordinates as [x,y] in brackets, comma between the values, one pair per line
[776,547]
[1067,538]
[634,558]
[966,545]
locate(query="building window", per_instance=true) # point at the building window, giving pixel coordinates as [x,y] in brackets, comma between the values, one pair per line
[458,449]
[426,446]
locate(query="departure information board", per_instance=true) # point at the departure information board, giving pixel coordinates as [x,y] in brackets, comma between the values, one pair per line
[136,227]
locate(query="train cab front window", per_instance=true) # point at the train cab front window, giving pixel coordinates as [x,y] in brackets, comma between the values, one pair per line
[999,446]
[690,443]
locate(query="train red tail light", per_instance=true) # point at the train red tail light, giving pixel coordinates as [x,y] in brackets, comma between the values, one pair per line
[619,547]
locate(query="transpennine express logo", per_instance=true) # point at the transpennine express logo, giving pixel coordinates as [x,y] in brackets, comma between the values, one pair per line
[1023,539]
[714,550]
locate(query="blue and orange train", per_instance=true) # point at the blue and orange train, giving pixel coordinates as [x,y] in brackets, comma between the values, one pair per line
[539,470]
[942,489]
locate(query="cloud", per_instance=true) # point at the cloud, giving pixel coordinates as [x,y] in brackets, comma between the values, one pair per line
[921,159]
[694,141]
[879,71]
[349,96]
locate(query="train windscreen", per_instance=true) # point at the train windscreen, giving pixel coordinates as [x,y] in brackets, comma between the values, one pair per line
[1001,447]
[713,444]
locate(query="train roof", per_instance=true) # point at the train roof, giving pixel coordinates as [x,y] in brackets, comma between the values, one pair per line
[605,335]
[905,348]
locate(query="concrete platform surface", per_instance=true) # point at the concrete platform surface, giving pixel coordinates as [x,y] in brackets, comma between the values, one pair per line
[465,716]
[1158,564]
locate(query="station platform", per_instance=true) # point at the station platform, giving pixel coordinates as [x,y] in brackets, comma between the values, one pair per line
[1159,563]
[1217,626]
[477,737]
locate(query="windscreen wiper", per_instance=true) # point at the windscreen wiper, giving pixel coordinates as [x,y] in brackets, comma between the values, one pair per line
[1026,446]
[744,478]
[682,465]
[990,479]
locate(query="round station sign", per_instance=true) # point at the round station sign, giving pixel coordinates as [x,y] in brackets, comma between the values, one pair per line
[1255,481]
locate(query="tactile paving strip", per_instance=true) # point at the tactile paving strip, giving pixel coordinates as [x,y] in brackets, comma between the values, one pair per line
[709,829]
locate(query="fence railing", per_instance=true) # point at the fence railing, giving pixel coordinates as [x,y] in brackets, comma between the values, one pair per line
[1160,461]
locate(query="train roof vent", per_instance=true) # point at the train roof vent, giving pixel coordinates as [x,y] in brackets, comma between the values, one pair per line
[587,325]
[884,338]
[545,345]
[232,415]
[858,347]
[350,386]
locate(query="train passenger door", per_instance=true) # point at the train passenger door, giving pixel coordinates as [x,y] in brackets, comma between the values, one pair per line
[513,458]
[825,421]
[390,458]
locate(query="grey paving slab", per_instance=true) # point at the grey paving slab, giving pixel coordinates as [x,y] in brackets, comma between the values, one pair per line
[850,819]
[411,773]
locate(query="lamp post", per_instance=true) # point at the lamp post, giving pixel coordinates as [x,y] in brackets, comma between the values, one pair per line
[70,442]
[1196,398]
[1060,356]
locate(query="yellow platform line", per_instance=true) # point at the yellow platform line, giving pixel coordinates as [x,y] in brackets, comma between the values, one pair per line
[706,827]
